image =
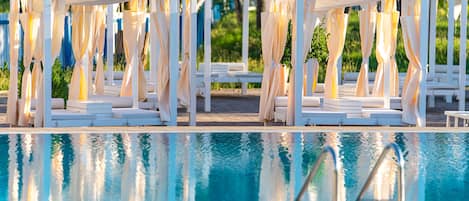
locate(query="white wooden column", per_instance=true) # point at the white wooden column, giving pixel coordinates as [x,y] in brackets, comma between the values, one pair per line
[173,62]
[44,190]
[245,52]
[110,45]
[154,47]
[424,29]
[208,54]
[450,52]
[193,66]
[299,58]
[47,72]
[462,57]
[432,47]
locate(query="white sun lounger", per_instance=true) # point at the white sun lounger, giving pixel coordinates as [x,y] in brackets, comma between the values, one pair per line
[456,115]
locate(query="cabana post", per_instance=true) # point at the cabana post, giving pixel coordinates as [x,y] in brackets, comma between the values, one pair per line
[154,48]
[207,54]
[173,61]
[47,71]
[424,34]
[245,53]
[462,57]
[298,68]
[110,44]
[193,64]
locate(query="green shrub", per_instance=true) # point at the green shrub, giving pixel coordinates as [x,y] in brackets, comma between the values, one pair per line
[60,80]
[4,78]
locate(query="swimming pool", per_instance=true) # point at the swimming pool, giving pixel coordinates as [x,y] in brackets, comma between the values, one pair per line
[229,166]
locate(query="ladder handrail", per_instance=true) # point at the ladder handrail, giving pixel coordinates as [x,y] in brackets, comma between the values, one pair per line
[327,150]
[400,164]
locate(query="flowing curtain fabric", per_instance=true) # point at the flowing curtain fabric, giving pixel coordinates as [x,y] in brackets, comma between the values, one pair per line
[314,76]
[389,26]
[58,14]
[93,44]
[36,78]
[134,41]
[100,37]
[310,23]
[30,21]
[410,21]
[184,88]
[367,35]
[274,36]
[161,18]
[336,28]
[14,48]
[80,44]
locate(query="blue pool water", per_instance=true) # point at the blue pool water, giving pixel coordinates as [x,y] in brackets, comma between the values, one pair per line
[229,167]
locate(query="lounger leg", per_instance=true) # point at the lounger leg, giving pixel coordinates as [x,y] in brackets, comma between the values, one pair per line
[449,99]
[244,88]
[448,120]
[431,101]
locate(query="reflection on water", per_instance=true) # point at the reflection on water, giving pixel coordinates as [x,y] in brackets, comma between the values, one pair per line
[248,166]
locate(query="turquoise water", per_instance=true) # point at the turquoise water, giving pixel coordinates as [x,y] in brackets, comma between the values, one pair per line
[228,167]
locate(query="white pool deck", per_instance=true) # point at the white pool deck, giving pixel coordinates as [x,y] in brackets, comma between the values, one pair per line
[230,129]
[230,108]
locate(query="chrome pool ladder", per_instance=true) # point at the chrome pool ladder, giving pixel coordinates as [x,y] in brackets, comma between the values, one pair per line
[327,151]
[400,170]
[330,151]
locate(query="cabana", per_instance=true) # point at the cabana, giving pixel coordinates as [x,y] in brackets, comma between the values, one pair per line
[337,110]
[82,110]
[235,72]
[446,79]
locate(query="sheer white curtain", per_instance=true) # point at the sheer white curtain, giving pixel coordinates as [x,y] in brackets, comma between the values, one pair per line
[80,43]
[162,26]
[367,35]
[274,37]
[390,26]
[30,21]
[134,42]
[184,88]
[336,28]
[410,21]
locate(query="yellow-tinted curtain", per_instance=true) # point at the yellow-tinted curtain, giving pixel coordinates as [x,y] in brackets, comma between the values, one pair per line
[367,35]
[184,87]
[101,37]
[336,28]
[30,22]
[161,18]
[274,37]
[80,44]
[389,26]
[411,31]
[134,43]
